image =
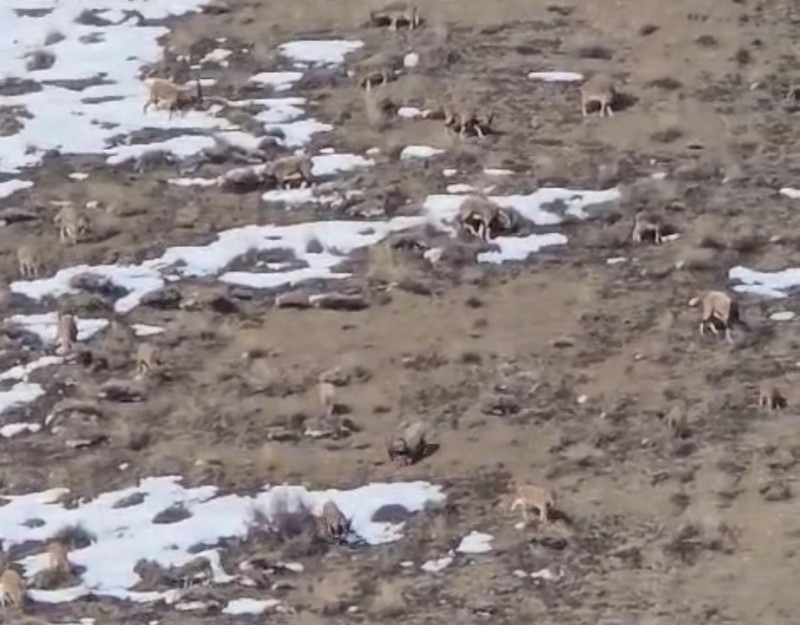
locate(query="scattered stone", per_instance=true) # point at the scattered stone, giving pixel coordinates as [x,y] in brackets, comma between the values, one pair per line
[97,285]
[168,298]
[499,405]
[339,301]
[293,299]
[12,215]
[123,391]
[776,490]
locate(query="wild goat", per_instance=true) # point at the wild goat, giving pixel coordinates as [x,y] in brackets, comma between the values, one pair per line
[395,15]
[12,588]
[647,224]
[73,224]
[165,94]
[290,170]
[147,358]
[378,68]
[57,558]
[411,442]
[601,89]
[66,333]
[770,396]
[28,261]
[327,397]
[482,217]
[332,524]
[720,309]
[467,120]
[530,496]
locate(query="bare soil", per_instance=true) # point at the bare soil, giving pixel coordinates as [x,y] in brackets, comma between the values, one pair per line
[558,370]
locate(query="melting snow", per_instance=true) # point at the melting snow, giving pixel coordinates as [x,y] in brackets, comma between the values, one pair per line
[791,193]
[280,81]
[409,112]
[45,326]
[319,52]
[129,533]
[250,606]
[435,566]
[12,429]
[556,76]
[475,542]
[418,151]
[774,284]
[9,187]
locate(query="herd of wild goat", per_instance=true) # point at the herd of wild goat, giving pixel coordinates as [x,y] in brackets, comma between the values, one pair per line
[478,217]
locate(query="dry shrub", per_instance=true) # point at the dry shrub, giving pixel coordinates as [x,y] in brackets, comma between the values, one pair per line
[74,537]
[40,59]
[389,601]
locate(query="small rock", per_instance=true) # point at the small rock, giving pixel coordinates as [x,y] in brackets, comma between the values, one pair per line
[12,215]
[121,391]
[99,285]
[500,405]
[562,342]
[339,301]
[293,299]
[776,491]
[168,298]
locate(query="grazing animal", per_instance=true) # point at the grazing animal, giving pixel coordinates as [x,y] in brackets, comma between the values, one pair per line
[57,557]
[395,15]
[481,217]
[647,224]
[467,120]
[28,260]
[720,309]
[411,442]
[147,358]
[770,396]
[165,94]
[601,89]
[66,333]
[72,224]
[677,421]
[332,524]
[327,397]
[378,68]
[530,496]
[12,589]
[291,170]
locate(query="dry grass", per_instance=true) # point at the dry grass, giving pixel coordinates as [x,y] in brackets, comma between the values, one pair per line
[389,601]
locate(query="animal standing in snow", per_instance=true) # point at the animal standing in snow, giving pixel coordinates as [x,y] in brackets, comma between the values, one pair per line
[12,589]
[483,218]
[166,95]
[599,89]
[719,310]
[66,333]
[332,524]
[292,170]
[529,497]
[58,558]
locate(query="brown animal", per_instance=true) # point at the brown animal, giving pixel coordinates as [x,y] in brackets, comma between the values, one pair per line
[327,397]
[165,94]
[291,170]
[467,120]
[720,309]
[677,421]
[73,224]
[12,589]
[28,260]
[378,68]
[395,15]
[481,217]
[57,558]
[530,496]
[66,333]
[147,358]
[770,396]
[332,524]
[601,89]
[647,224]
[410,444]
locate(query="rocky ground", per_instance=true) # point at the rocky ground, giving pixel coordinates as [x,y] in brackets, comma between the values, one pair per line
[558,370]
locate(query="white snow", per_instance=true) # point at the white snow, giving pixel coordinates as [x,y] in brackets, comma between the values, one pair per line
[12,429]
[774,284]
[783,315]
[21,372]
[791,193]
[218,56]
[497,172]
[141,329]
[9,187]
[20,394]
[328,164]
[237,607]
[45,326]
[460,188]
[475,542]
[280,81]
[411,60]
[435,566]
[193,182]
[418,151]
[78,176]
[319,52]
[125,535]
[23,392]
[555,76]
[409,112]
[449,173]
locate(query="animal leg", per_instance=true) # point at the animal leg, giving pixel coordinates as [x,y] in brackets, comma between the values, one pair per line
[714,330]
[636,236]
[728,336]
[479,130]
[657,236]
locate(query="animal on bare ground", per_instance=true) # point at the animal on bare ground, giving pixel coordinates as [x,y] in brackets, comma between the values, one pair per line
[66,333]
[410,443]
[530,496]
[720,311]
[395,15]
[600,89]
[293,170]
[72,223]
[147,359]
[770,396]
[647,225]
[28,261]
